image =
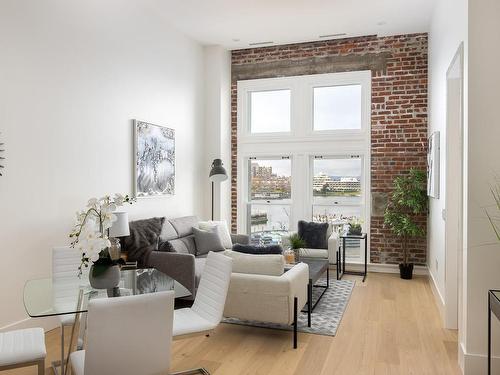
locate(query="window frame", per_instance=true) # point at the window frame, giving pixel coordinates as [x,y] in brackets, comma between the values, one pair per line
[248,202]
[302,143]
[302,105]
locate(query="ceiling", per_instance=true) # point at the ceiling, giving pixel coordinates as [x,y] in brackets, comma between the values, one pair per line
[236,23]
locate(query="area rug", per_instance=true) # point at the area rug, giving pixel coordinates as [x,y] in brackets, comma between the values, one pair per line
[325,318]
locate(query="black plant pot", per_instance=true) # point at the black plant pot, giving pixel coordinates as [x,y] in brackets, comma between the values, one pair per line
[406,271]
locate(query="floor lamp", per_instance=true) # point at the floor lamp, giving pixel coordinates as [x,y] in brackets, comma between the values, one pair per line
[217,174]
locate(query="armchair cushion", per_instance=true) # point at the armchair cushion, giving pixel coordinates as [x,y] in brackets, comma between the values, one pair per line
[267,264]
[314,234]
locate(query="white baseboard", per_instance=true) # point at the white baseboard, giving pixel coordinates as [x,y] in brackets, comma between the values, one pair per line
[477,363]
[384,268]
[437,296]
[49,323]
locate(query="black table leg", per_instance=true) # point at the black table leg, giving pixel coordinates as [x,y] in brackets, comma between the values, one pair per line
[366,260]
[489,334]
[343,255]
[327,277]
[337,254]
[295,303]
[309,302]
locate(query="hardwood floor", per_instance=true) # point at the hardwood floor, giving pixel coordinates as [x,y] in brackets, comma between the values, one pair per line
[391,326]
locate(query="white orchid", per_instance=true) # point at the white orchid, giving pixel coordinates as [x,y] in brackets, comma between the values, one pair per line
[89,234]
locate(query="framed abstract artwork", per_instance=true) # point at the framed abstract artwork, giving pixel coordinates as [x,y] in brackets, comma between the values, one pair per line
[154,160]
[433,166]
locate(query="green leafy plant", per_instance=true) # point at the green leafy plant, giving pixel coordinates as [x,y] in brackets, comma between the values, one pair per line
[355,227]
[296,242]
[495,192]
[407,202]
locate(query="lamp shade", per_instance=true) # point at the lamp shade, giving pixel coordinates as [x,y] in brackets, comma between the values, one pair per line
[120,227]
[217,172]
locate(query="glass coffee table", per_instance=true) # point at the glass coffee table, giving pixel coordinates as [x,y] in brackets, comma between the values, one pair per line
[317,268]
[69,295]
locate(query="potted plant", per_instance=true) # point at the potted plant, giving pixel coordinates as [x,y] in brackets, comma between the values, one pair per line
[495,192]
[407,202]
[355,228]
[90,236]
[296,243]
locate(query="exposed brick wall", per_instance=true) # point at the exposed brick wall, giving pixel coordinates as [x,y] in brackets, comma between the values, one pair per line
[398,115]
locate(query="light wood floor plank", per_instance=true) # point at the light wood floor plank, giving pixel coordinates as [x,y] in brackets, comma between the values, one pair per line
[390,327]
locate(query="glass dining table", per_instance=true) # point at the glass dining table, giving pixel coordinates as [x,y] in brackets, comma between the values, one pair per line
[70,294]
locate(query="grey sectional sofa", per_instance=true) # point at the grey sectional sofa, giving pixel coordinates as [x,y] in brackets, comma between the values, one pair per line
[180,259]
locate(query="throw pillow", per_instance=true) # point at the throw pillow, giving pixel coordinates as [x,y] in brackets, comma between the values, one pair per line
[166,246]
[314,234]
[221,226]
[249,249]
[143,239]
[207,241]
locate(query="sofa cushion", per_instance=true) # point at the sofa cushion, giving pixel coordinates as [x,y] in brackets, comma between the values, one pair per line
[314,234]
[168,232]
[223,230]
[184,245]
[143,238]
[267,264]
[184,225]
[250,249]
[207,240]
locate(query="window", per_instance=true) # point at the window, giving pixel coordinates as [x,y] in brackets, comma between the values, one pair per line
[337,108]
[270,199]
[303,154]
[338,195]
[270,111]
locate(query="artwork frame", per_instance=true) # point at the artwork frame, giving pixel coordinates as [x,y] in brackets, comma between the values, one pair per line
[154,160]
[433,155]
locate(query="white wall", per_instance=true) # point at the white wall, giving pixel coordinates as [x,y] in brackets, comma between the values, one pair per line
[218,125]
[73,75]
[483,251]
[447,30]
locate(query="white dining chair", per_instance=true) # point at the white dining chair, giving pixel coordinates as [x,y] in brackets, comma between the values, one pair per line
[65,263]
[23,348]
[206,312]
[127,335]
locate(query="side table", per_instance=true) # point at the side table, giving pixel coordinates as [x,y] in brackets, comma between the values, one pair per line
[341,257]
[493,307]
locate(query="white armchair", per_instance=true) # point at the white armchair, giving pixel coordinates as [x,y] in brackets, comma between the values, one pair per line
[266,298]
[330,253]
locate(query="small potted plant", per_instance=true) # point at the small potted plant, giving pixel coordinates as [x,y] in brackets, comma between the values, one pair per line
[355,228]
[407,202]
[296,243]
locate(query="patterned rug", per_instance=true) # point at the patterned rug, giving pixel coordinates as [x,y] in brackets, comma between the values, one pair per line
[325,318]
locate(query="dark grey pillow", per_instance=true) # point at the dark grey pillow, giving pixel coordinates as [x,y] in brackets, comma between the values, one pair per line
[258,250]
[207,241]
[314,234]
[166,246]
[143,239]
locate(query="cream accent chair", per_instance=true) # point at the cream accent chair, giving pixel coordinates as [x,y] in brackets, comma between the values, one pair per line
[22,348]
[330,253]
[275,297]
[127,335]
